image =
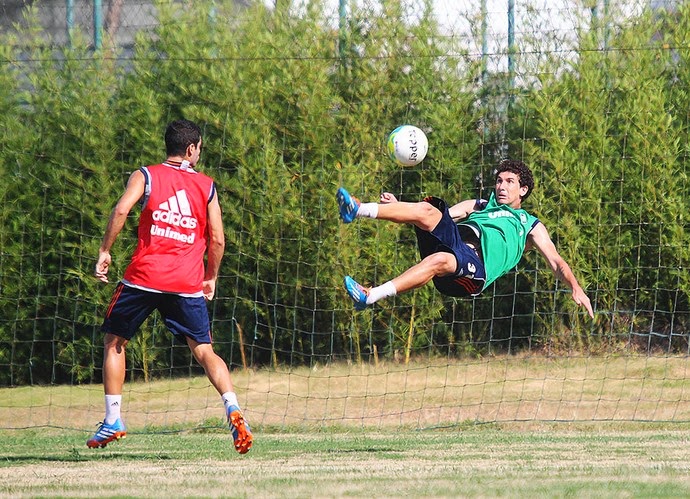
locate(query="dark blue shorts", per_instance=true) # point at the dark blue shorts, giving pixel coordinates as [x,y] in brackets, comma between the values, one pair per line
[469,278]
[184,317]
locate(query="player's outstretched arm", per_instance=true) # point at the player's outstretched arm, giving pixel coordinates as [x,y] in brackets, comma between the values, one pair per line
[539,238]
[118,217]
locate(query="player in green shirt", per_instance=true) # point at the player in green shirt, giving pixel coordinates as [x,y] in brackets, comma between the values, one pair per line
[467,246]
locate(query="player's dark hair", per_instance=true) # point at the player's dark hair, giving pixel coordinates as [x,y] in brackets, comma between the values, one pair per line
[521,170]
[179,135]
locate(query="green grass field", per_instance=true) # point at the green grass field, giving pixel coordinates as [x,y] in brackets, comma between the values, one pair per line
[536,460]
[504,426]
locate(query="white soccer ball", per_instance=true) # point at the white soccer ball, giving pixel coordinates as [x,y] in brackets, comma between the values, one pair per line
[407,145]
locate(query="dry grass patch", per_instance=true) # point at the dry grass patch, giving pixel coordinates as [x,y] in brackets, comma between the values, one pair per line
[388,395]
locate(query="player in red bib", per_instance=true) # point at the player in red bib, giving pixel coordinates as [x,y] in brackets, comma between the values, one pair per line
[180,223]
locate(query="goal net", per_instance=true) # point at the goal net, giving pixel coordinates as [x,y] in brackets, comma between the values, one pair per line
[296,99]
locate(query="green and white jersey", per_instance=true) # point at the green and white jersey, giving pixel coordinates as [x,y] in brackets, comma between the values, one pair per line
[503,234]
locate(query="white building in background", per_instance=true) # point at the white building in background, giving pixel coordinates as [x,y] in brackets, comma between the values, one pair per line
[122,19]
[119,19]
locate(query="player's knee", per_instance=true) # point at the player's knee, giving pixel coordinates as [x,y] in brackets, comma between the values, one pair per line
[428,216]
[112,341]
[441,263]
[203,352]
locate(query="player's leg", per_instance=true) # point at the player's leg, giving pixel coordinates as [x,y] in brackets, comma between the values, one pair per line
[187,318]
[434,265]
[215,368]
[218,374]
[422,214]
[114,363]
[439,245]
[128,308]
[114,369]
[112,427]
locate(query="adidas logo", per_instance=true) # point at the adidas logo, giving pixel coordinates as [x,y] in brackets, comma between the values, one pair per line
[176,211]
[177,204]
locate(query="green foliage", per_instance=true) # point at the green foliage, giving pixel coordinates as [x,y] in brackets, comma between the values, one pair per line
[613,179]
[291,109]
[60,146]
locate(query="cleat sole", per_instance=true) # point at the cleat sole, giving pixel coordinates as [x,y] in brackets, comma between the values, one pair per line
[101,445]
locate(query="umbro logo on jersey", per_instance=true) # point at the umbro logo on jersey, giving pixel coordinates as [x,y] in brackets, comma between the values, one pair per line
[176,211]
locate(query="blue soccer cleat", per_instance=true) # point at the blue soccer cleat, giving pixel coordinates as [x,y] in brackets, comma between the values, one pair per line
[347,205]
[241,433]
[107,433]
[357,293]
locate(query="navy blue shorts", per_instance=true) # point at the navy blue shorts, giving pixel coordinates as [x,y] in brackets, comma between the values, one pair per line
[185,317]
[469,277]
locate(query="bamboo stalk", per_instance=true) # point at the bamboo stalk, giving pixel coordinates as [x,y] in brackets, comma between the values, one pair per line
[240,333]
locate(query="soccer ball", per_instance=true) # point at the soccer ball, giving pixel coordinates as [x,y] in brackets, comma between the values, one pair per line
[407,145]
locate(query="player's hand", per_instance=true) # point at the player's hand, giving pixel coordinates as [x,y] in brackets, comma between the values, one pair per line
[102,266]
[387,197]
[209,289]
[582,299]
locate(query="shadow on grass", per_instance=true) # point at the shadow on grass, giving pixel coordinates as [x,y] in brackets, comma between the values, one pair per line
[78,456]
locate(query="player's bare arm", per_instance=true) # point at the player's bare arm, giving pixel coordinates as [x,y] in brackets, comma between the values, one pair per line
[463,209]
[216,247]
[539,238]
[118,217]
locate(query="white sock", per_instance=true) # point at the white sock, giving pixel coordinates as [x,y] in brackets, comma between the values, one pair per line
[113,404]
[230,399]
[382,291]
[368,210]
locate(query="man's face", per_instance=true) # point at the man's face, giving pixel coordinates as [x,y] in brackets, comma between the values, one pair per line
[508,190]
[194,152]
